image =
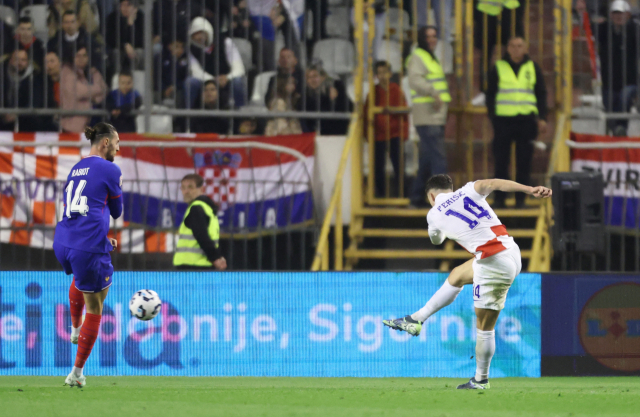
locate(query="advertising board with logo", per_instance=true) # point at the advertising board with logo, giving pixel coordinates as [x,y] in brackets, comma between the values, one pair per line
[265,324]
[591,325]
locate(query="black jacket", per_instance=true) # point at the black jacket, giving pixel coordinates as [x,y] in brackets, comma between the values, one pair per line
[540,90]
[618,55]
[198,222]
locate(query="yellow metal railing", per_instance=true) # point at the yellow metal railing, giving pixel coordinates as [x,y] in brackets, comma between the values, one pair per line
[461,107]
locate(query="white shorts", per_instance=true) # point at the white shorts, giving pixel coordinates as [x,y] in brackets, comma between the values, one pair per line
[493,276]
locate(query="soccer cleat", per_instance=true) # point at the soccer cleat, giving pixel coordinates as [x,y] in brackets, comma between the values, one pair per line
[406,324]
[75,381]
[473,384]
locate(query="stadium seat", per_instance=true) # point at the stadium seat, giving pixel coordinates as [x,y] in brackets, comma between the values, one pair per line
[351,89]
[38,15]
[260,86]
[338,56]
[337,23]
[138,82]
[246,52]
[8,15]
[162,124]
[390,51]
[393,17]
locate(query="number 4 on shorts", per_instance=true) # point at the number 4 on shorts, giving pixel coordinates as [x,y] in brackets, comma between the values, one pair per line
[476,291]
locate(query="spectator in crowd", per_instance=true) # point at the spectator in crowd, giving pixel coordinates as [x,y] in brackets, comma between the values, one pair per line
[52,65]
[241,24]
[210,101]
[126,37]
[71,37]
[507,25]
[83,9]
[618,50]
[52,84]
[81,86]
[324,95]
[286,99]
[23,89]
[174,69]
[517,107]
[260,12]
[389,129]
[431,98]
[287,66]
[170,15]
[207,61]
[121,102]
[26,40]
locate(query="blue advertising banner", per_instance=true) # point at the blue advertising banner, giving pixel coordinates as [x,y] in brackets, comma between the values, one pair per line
[265,324]
[591,324]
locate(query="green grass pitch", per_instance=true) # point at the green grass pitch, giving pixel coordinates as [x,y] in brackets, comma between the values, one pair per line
[397,397]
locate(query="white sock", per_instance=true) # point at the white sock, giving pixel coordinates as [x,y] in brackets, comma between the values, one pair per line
[77,371]
[75,331]
[442,298]
[485,347]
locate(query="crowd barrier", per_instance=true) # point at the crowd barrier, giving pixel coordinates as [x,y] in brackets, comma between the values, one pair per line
[265,324]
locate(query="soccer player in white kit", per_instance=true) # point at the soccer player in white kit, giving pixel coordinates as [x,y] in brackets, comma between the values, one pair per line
[465,217]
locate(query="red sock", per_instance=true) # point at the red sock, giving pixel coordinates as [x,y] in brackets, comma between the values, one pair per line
[76,304]
[88,336]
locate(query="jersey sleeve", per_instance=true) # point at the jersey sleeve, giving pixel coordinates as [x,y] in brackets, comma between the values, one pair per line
[435,234]
[470,190]
[114,188]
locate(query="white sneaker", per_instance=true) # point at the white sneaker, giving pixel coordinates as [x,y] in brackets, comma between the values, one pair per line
[75,333]
[75,381]
[479,100]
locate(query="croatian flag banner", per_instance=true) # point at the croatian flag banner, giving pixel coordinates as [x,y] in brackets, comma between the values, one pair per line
[255,185]
[620,170]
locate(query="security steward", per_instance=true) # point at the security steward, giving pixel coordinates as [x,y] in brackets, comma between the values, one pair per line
[517,106]
[199,233]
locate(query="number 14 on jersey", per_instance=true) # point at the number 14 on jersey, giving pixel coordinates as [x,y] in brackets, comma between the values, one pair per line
[79,202]
[473,208]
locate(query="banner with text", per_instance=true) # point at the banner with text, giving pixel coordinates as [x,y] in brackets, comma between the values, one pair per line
[255,187]
[620,170]
[265,324]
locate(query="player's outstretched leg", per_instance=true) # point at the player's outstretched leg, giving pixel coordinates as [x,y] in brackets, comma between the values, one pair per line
[485,348]
[76,305]
[88,335]
[412,324]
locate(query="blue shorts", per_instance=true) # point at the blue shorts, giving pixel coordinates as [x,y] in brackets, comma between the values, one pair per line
[92,271]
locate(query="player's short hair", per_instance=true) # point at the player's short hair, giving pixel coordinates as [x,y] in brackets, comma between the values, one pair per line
[97,132]
[197,179]
[439,182]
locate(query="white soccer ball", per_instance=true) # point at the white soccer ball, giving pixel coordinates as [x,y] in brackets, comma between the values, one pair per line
[145,304]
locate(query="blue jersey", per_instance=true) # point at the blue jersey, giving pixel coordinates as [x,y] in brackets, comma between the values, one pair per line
[93,192]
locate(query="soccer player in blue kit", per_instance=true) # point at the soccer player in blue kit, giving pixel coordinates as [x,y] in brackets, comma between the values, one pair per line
[93,192]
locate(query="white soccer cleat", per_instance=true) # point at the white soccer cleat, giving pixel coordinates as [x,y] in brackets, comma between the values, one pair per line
[75,381]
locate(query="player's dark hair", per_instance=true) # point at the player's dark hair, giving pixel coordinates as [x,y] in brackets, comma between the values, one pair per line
[99,131]
[439,182]
[195,178]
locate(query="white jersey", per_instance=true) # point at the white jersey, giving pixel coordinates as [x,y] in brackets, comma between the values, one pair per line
[465,217]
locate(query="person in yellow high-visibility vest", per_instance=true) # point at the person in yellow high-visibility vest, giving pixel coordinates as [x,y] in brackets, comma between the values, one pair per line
[429,105]
[517,106]
[199,233]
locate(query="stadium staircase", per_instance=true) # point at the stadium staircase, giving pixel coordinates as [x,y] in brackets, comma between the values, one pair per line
[385,233]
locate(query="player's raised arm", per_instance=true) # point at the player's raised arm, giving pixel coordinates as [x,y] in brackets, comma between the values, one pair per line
[486,187]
